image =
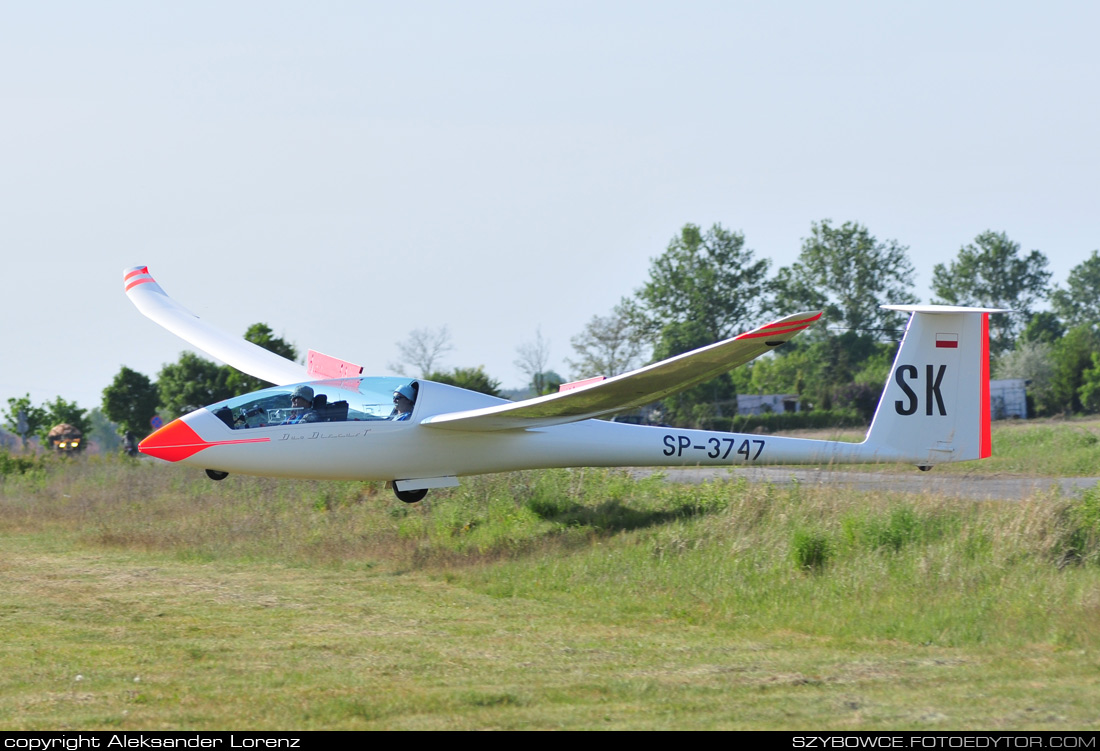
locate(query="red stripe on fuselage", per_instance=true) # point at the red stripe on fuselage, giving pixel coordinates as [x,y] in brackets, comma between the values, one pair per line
[177,440]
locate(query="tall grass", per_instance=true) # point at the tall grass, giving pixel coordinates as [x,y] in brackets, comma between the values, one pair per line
[747,557]
[569,598]
[1070,449]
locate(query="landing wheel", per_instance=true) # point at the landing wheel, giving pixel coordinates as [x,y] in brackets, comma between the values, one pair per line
[214,474]
[410,496]
[923,467]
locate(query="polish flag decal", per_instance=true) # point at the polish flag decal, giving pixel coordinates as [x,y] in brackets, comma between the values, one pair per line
[947,341]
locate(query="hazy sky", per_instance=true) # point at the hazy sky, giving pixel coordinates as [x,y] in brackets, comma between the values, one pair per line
[349,171]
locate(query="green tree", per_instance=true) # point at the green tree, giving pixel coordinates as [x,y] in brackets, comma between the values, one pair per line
[1089,391]
[774,374]
[1043,326]
[474,379]
[550,380]
[990,272]
[1072,356]
[705,287]
[131,401]
[1032,361]
[261,335]
[41,419]
[849,274]
[191,383]
[692,406]
[36,418]
[708,279]
[842,364]
[1079,302]
[105,430]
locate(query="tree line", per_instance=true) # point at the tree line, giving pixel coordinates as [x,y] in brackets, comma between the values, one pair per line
[706,286]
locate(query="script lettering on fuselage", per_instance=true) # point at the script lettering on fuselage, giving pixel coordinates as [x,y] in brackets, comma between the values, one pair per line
[933,397]
[317,434]
[712,447]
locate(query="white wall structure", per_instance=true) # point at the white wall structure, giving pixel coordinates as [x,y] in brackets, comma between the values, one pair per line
[1008,398]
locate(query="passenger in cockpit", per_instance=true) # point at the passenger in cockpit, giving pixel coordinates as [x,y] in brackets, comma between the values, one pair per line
[301,402]
[403,400]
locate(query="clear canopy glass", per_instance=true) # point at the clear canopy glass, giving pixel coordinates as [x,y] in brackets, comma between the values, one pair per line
[340,400]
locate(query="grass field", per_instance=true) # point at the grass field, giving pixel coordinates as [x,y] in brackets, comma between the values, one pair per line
[136,595]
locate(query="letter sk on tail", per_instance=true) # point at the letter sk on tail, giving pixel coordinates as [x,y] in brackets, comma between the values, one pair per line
[935,407]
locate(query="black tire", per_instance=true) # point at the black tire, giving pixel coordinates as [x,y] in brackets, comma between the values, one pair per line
[215,474]
[410,496]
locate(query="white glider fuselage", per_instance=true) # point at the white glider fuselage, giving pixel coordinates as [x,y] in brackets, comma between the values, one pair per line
[387,450]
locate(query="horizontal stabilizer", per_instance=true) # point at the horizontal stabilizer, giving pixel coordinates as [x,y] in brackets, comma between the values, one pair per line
[237,352]
[629,390]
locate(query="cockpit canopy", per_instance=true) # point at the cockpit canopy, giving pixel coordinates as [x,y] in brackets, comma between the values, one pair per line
[340,400]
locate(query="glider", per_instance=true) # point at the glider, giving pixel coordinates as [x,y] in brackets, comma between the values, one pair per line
[326,420]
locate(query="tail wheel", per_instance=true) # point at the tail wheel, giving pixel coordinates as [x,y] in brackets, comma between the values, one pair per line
[410,496]
[214,474]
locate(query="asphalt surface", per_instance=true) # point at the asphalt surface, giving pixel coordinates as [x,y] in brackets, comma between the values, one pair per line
[972,487]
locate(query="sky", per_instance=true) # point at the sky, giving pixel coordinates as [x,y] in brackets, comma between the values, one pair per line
[347,172]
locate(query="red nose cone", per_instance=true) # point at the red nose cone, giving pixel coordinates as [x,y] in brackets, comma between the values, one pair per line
[173,442]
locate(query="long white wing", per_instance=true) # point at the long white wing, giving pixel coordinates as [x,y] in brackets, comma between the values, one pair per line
[240,353]
[629,390]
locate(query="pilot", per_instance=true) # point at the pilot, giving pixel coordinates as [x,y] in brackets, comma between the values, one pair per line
[301,401]
[403,399]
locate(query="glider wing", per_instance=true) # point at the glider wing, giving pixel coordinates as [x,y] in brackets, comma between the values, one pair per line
[628,390]
[240,353]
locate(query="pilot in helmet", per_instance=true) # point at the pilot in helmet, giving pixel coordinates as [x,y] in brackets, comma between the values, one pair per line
[403,399]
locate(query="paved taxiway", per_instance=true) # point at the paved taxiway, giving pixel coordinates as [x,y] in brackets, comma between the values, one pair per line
[957,485]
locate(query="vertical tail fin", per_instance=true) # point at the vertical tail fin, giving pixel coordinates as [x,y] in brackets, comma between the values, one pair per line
[935,407]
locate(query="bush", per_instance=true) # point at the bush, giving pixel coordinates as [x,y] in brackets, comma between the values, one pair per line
[810,550]
[1083,544]
[17,465]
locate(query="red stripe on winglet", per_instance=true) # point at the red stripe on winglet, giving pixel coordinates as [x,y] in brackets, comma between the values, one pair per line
[773,332]
[131,285]
[985,440]
[784,324]
[136,272]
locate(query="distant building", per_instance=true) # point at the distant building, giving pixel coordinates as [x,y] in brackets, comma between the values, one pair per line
[762,404]
[1008,398]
